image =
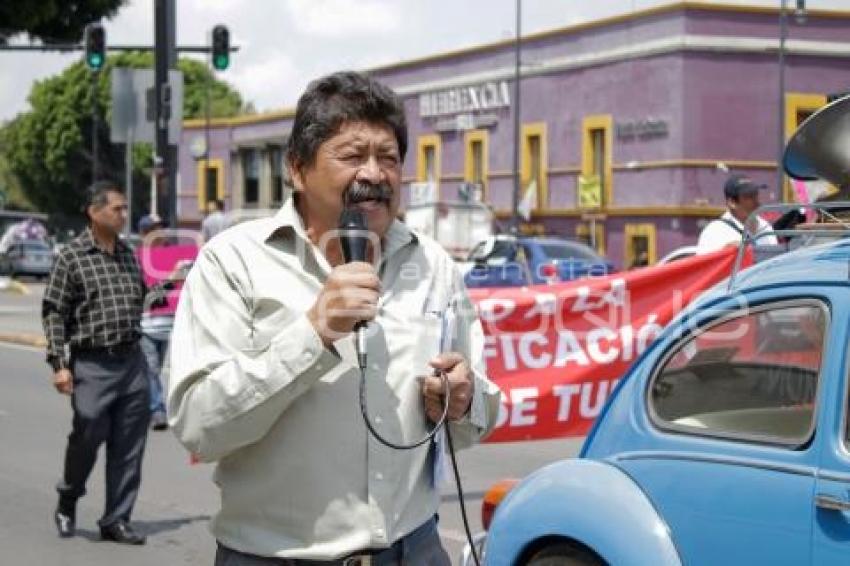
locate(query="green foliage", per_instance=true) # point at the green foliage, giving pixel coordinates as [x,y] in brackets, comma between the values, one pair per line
[48,149]
[53,21]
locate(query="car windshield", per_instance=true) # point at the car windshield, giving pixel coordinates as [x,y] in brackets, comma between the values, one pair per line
[554,250]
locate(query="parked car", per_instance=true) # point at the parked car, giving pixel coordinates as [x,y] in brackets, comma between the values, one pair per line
[727,442]
[27,257]
[509,261]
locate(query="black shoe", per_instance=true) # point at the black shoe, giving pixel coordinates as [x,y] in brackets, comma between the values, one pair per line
[64,523]
[159,421]
[121,532]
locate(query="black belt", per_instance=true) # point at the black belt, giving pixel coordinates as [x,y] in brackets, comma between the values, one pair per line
[114,350]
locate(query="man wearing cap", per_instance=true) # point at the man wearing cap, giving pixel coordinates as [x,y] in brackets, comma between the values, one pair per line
[742,199]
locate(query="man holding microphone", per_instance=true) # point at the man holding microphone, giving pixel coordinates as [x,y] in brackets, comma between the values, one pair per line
[264,367]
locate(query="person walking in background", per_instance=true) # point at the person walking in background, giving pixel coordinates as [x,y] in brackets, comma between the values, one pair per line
[157,256]
[742,199]
[91,310]
[214,221]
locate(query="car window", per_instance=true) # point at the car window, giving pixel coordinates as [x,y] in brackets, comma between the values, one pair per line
[36,247]
[567,251]
[753,376]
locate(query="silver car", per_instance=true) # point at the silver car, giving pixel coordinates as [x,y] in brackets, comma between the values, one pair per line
[28,257]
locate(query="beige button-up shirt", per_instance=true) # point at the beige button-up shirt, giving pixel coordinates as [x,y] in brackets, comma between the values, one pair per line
[252,387]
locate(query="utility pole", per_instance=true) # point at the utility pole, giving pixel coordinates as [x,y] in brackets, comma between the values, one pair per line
[783,35]
[517,63]
[164,58]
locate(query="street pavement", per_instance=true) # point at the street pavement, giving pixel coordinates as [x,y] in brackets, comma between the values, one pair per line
[177,498]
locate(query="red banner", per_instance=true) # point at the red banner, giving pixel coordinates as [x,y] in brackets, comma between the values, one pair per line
[557,351]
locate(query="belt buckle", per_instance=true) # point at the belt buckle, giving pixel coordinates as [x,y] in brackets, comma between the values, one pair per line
[358,560]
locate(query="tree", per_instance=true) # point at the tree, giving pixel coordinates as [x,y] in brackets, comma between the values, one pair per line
[53,21]
[48,149]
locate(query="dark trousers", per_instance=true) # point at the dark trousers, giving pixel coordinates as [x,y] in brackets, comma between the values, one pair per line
[111,401]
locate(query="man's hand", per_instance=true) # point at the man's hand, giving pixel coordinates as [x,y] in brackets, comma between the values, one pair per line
[350,295]
[461,387]
[63,381]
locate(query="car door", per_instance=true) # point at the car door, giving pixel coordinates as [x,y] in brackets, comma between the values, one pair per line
[730,457]
[831,526]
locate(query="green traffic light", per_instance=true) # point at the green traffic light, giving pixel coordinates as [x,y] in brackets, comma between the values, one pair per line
[221,62]
[95,61]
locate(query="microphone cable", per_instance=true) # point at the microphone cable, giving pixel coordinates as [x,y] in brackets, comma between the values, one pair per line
[364,410]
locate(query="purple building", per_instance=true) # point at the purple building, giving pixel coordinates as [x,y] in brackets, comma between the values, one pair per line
[628,125]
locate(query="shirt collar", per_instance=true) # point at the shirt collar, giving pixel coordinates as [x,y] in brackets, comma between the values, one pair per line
[397,237]
[90,244]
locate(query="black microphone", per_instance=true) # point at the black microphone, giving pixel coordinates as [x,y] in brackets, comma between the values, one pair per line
[353,236]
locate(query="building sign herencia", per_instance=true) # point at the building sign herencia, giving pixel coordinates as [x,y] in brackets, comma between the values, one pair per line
[485,96]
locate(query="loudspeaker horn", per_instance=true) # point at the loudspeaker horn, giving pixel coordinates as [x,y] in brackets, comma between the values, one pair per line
[820,148]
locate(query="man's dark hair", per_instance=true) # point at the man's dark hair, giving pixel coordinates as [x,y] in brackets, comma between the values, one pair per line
[96,194]
[342,97]
[219,205]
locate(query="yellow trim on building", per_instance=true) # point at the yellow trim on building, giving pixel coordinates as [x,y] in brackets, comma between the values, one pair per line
[429,141]
[663,211]
[796,102]
[694,163]
[604,122]
[201,179]
[469,139]
[632,231]
[535,129]
[583,231]
[200,123]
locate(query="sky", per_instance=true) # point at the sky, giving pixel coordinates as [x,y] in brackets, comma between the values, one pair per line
[283,44]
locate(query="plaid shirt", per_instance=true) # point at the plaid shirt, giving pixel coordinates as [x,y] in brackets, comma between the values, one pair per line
[93,298]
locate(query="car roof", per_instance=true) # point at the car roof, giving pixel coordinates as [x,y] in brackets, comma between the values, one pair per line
[823,263]
[827,264]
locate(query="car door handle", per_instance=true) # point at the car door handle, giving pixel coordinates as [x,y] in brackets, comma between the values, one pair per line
[823,501]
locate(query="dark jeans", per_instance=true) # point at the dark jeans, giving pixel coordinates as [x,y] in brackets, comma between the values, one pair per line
[111,404]
[422,547]
[154,351]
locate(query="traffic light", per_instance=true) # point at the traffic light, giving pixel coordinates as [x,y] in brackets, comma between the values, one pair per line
[220,47]
[95,40]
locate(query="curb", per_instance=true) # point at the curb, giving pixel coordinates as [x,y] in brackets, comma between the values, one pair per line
[14,286]
[33,340]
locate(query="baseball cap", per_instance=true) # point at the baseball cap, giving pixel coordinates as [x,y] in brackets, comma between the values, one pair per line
[738,185]
[149,221]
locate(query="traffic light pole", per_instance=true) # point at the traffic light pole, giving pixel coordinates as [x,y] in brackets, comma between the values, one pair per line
[164,55]
[95,124]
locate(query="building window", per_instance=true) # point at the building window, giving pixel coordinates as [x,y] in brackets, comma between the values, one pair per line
[210,177]
[534,163]
[592,234]
[251,177]
[428,159]
[798,107]
[597,172]
[476,161]
[640,245]
[276,162]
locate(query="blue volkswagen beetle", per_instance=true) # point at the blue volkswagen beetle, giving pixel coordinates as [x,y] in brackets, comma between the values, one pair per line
[728,442]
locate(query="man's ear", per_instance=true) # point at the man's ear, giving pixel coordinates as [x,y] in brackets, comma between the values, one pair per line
[296,174]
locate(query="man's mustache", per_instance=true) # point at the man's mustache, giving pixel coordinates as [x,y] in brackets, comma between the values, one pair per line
[359,191]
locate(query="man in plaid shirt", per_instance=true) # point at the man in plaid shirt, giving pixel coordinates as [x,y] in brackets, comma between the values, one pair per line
[91,313]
